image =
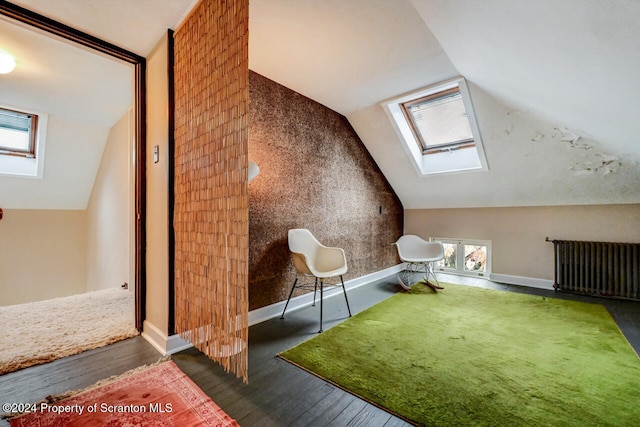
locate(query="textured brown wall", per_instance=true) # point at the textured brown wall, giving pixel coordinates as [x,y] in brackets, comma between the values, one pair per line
[315,173]
[210,211]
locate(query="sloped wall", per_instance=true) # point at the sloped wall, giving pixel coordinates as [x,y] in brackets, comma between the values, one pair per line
[109,214]
[315,173]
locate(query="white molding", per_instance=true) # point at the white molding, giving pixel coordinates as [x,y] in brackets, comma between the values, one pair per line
[165,345]
[531,282]
[262,314]
[176,343]
[154,336]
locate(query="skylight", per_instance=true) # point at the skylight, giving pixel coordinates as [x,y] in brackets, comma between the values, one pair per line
[17,133]
[438,128]
[22,140]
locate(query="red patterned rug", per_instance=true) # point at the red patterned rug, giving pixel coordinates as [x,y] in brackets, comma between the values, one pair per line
[155,396]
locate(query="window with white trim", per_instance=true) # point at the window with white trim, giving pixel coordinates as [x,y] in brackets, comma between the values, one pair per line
[466,257]
[18,131]
[439,121]
[438,127]
[22,142]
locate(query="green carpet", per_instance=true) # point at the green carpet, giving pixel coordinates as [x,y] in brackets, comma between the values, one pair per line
[472,356]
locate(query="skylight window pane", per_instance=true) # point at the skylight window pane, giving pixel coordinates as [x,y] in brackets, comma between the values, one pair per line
[17,133]
[14,139]
[14,120]
[440,120]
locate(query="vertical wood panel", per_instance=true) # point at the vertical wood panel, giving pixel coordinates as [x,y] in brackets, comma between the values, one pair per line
[210,183]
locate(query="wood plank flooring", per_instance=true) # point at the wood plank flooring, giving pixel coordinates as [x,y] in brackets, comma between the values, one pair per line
[278,393]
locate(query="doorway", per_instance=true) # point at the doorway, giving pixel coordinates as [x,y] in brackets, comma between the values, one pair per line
[43,25]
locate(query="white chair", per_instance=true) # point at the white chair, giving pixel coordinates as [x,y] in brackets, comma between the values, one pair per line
[313,259]
[419,256]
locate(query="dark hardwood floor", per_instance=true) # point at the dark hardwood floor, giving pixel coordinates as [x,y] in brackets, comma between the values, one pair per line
[278,393]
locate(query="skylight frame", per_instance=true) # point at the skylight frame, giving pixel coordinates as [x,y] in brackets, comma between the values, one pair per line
[433,98]
[443,161]
[19,165]
[32,134]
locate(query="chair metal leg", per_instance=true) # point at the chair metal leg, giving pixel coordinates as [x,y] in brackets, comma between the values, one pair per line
[407,275]
[345,296]
[315,289]
[288,299]
[321,295]
[430,272]
[433,273]
[405,279]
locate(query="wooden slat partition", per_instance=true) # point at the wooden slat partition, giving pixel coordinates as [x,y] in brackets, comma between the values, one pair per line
[211,219]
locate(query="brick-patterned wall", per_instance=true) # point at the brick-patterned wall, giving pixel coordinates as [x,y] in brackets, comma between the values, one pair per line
[210,210]
[315,173]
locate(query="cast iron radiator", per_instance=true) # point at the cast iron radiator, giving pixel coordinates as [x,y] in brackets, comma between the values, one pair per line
[597,268]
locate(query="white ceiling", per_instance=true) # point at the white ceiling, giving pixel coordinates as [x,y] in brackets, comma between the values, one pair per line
[136,25]
[345,54]
[534,67]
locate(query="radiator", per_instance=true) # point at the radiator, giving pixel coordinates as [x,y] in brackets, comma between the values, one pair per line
[597,268]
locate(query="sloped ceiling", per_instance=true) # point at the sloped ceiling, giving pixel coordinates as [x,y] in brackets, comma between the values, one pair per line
[83,94]
[347,55]
[576,62]
[536,69]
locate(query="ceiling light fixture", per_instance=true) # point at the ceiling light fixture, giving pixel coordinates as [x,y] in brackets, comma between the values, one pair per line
[7,63]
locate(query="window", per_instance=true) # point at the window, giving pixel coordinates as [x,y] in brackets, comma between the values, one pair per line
[468,257]
[439,121]
[18,132]
[22,142]
[438,128]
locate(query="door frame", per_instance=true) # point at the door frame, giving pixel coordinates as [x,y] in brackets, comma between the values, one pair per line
[56,28]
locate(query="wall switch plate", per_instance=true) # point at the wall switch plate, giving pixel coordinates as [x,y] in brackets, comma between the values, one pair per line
[156,154]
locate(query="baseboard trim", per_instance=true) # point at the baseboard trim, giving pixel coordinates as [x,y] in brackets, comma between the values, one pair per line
[531,282]
[165,345]
[268,312]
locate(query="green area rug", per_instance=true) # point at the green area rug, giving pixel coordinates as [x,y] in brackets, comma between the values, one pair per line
[472,356]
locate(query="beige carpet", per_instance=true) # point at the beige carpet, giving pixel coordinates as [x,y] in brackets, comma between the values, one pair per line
[42,331]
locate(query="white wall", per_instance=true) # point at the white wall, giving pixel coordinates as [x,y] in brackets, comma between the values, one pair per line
[109,213]
[42,254]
